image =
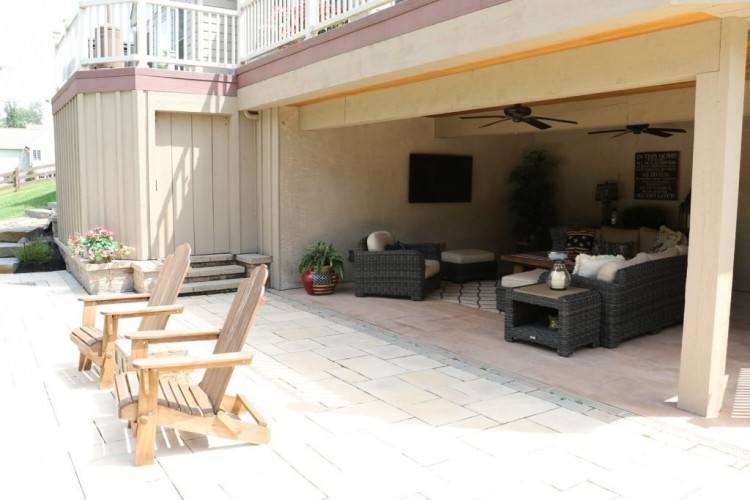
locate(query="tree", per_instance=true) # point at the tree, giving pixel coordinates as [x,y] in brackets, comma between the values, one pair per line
[15,116]
[532,199]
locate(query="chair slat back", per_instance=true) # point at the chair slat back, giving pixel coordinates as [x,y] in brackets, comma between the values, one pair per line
[168,286]
[235,331]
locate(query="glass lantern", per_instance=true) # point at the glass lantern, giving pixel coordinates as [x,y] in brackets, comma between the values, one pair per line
[559,277]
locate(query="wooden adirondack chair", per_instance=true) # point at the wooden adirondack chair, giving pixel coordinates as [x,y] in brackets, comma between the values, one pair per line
[98,346]
[152,396]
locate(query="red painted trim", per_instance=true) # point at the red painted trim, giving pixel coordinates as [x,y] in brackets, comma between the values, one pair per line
[402,18]
[125,79]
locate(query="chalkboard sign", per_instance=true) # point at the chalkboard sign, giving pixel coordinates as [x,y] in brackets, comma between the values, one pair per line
[656,175]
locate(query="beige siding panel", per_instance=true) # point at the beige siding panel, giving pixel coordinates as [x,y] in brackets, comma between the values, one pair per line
[182,178]
[220,135]
[68,178]
[109,162]
[248,164]
[162,212]
[203,200]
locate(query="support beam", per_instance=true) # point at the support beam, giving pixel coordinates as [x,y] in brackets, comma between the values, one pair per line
[715,185]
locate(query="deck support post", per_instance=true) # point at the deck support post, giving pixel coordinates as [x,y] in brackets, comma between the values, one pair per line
[719,99]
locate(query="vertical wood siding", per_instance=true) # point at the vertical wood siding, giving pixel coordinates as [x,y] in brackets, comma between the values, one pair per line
[69,214]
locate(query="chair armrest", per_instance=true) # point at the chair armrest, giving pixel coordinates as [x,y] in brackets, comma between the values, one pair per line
[161,336]
[184,363]
[145,312]
[115,299]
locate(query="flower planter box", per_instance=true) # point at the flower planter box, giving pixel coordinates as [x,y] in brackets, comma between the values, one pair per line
[112,277]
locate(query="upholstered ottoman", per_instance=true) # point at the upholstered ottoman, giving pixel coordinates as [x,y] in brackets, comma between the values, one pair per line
[508,281]
[460,266]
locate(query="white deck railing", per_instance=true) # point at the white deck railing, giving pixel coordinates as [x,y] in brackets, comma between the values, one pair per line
[155,33]
[268,24]
[178,35]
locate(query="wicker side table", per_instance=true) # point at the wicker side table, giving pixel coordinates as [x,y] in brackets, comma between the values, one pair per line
[527,311]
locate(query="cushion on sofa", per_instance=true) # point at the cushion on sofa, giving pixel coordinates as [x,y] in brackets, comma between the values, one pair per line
[580,241]
[667,238]
[682,249]
[467,256]
[521,279]
[378,240]
[431,267]
[588,266]
[626,249]
[665,254]
[608,271]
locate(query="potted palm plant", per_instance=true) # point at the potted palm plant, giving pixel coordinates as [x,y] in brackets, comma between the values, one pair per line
[321,268]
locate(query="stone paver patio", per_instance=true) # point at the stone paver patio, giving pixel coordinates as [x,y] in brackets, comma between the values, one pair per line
[355,412]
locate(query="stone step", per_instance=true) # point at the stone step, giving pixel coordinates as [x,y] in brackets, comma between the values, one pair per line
[38,213]
[8,265]
[210,273]
[12,230]
[211,260]
[8,249]
[216,286]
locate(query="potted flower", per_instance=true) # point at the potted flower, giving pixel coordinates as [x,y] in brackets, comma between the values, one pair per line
[321,267]
[97,245]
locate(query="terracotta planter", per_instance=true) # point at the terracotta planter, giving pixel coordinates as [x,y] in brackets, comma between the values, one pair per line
[319,283]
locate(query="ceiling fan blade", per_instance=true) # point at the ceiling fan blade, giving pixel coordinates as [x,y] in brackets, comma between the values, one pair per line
[536,123]
[621,134]
[482,117]
[657,132]
[609,131]
[554,119]
[494,123]
[675,130]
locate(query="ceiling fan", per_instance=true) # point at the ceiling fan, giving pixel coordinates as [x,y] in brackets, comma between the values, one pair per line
[518,113]
[641,128]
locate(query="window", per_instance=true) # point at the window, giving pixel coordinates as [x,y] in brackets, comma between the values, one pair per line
[36,155]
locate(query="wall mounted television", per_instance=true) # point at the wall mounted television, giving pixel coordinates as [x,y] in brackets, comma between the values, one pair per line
[435,178]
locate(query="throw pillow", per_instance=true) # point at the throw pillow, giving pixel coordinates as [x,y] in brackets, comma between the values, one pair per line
[609,270]
[377,241]
[666,238]
[648,238]
[626,249]
[395,246]
[682,249]
[588,266]
[580,241]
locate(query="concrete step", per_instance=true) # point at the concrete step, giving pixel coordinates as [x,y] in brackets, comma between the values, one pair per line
[210,273]
[211,260]
[8,249]
[38,213]
[8,265]
[216,286]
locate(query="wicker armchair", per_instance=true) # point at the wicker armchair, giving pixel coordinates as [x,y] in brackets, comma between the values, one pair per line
[394,273]
[645,298]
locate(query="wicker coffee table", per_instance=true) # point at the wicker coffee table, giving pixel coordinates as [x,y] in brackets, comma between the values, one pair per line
[528,309]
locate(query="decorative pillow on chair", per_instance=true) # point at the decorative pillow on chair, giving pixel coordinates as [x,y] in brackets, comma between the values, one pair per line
[378,240]
[580,241]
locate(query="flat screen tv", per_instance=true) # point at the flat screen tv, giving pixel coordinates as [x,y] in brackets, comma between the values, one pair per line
[439,178]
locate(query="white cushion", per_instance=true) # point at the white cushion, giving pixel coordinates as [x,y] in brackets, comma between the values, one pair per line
[431,267]
[666,238]
[682,249]
[609,270]
[467,256]
[378,240]
[588,266]
[521,279]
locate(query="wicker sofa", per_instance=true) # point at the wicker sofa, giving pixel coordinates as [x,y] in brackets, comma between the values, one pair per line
[395,273]
[644,298]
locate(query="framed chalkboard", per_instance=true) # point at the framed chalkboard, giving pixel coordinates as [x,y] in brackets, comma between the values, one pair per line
[656,175]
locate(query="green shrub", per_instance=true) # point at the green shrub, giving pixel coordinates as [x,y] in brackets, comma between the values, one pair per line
[34,252]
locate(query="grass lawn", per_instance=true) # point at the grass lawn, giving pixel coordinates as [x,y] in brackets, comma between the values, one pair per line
[33,195]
